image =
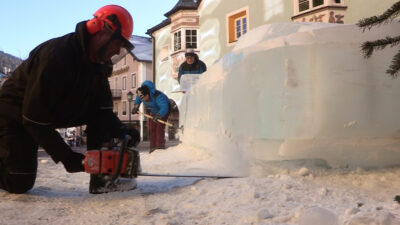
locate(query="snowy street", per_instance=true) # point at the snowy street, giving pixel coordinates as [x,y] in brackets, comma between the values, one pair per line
[280,193]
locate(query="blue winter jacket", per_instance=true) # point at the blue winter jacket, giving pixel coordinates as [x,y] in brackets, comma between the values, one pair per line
[158,104]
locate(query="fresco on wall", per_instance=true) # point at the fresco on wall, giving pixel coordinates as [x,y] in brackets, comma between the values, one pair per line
[177,60]
[323,17]
[335,18]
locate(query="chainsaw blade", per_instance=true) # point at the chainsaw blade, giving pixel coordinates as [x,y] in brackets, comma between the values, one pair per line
[186,175]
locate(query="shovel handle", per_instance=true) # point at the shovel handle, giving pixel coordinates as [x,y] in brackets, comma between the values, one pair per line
[160,121]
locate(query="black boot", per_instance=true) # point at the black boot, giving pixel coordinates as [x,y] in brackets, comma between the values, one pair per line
[99,184]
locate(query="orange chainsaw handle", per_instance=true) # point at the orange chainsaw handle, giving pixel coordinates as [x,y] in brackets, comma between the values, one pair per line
[124,144]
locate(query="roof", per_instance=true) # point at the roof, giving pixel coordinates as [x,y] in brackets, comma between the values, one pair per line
[181,5]
[159,26]
[143,50]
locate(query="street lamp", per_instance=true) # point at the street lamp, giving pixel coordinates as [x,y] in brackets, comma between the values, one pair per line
[129,96]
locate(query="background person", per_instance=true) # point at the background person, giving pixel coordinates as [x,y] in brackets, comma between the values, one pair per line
[63,83]
[192,65]
[158,104]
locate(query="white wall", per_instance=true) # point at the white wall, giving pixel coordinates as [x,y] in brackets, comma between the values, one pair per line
[293,91]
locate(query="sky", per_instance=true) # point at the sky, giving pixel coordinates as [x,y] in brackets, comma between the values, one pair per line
[27,23]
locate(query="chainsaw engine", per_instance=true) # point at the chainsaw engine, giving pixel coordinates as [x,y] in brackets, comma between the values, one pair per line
[113,162]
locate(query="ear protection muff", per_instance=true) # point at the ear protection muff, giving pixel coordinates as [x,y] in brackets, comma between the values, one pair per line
[116,18]
[94,25]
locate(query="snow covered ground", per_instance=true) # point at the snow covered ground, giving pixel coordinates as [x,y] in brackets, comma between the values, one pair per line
[286,193]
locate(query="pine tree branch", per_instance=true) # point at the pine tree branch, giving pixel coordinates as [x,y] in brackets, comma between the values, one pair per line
[394,69]
[385,18]
[369,47]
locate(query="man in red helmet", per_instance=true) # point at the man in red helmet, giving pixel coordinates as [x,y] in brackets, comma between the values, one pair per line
[63,83]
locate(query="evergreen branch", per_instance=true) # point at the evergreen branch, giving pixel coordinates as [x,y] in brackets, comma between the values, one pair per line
[369,47]
[394,69]
[385,18]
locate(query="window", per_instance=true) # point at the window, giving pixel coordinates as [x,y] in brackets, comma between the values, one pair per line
[337,1]
[317,3]
[303,5]
[123,108]
[177,41]
[115,109]
[133,80]
[116,83]
[191,38]
[124,61]
[123,83]
[238,25]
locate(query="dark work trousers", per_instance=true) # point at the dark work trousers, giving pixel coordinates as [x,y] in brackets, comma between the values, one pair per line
[18,153]
[18,157]
[157,132]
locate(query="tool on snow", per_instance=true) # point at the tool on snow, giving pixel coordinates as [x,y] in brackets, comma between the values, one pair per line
[161,121]
[184,92]
[125,162]
[397,198]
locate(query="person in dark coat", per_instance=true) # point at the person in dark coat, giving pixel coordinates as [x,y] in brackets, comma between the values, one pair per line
[192,65]
[159,107]
[63,83]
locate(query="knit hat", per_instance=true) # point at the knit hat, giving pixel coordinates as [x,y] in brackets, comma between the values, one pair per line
[190,52]
[142,91]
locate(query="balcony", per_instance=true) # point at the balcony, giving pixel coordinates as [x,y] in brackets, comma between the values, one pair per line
[116,93]
[327,11]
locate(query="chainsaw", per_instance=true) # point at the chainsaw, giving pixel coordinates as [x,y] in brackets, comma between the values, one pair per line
[125,162]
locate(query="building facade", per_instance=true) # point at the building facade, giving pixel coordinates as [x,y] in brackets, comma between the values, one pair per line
[212,27]
[128,75]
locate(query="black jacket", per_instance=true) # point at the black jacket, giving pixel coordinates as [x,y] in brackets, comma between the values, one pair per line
[58,86]
[198,67]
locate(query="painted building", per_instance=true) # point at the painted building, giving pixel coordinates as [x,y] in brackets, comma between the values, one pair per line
[212,27]
[128,75]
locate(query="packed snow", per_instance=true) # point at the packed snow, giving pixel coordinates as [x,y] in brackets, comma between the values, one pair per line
[300,153]
[287,193]
[299,90]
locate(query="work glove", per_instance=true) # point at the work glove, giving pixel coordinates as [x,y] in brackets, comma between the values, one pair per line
[73,163]
[135,109]
[156,117]
[134,136]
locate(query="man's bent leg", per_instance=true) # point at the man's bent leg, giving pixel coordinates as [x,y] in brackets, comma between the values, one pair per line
[18,158]
[16,182]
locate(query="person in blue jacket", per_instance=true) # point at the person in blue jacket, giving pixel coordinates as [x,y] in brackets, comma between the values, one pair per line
[192,65]
[158,104]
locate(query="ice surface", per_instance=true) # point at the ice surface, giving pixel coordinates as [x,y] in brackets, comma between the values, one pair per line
[292,91]
[188,80]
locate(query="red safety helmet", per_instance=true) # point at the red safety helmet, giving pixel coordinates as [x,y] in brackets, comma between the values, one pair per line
[117,19]
[102,15]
